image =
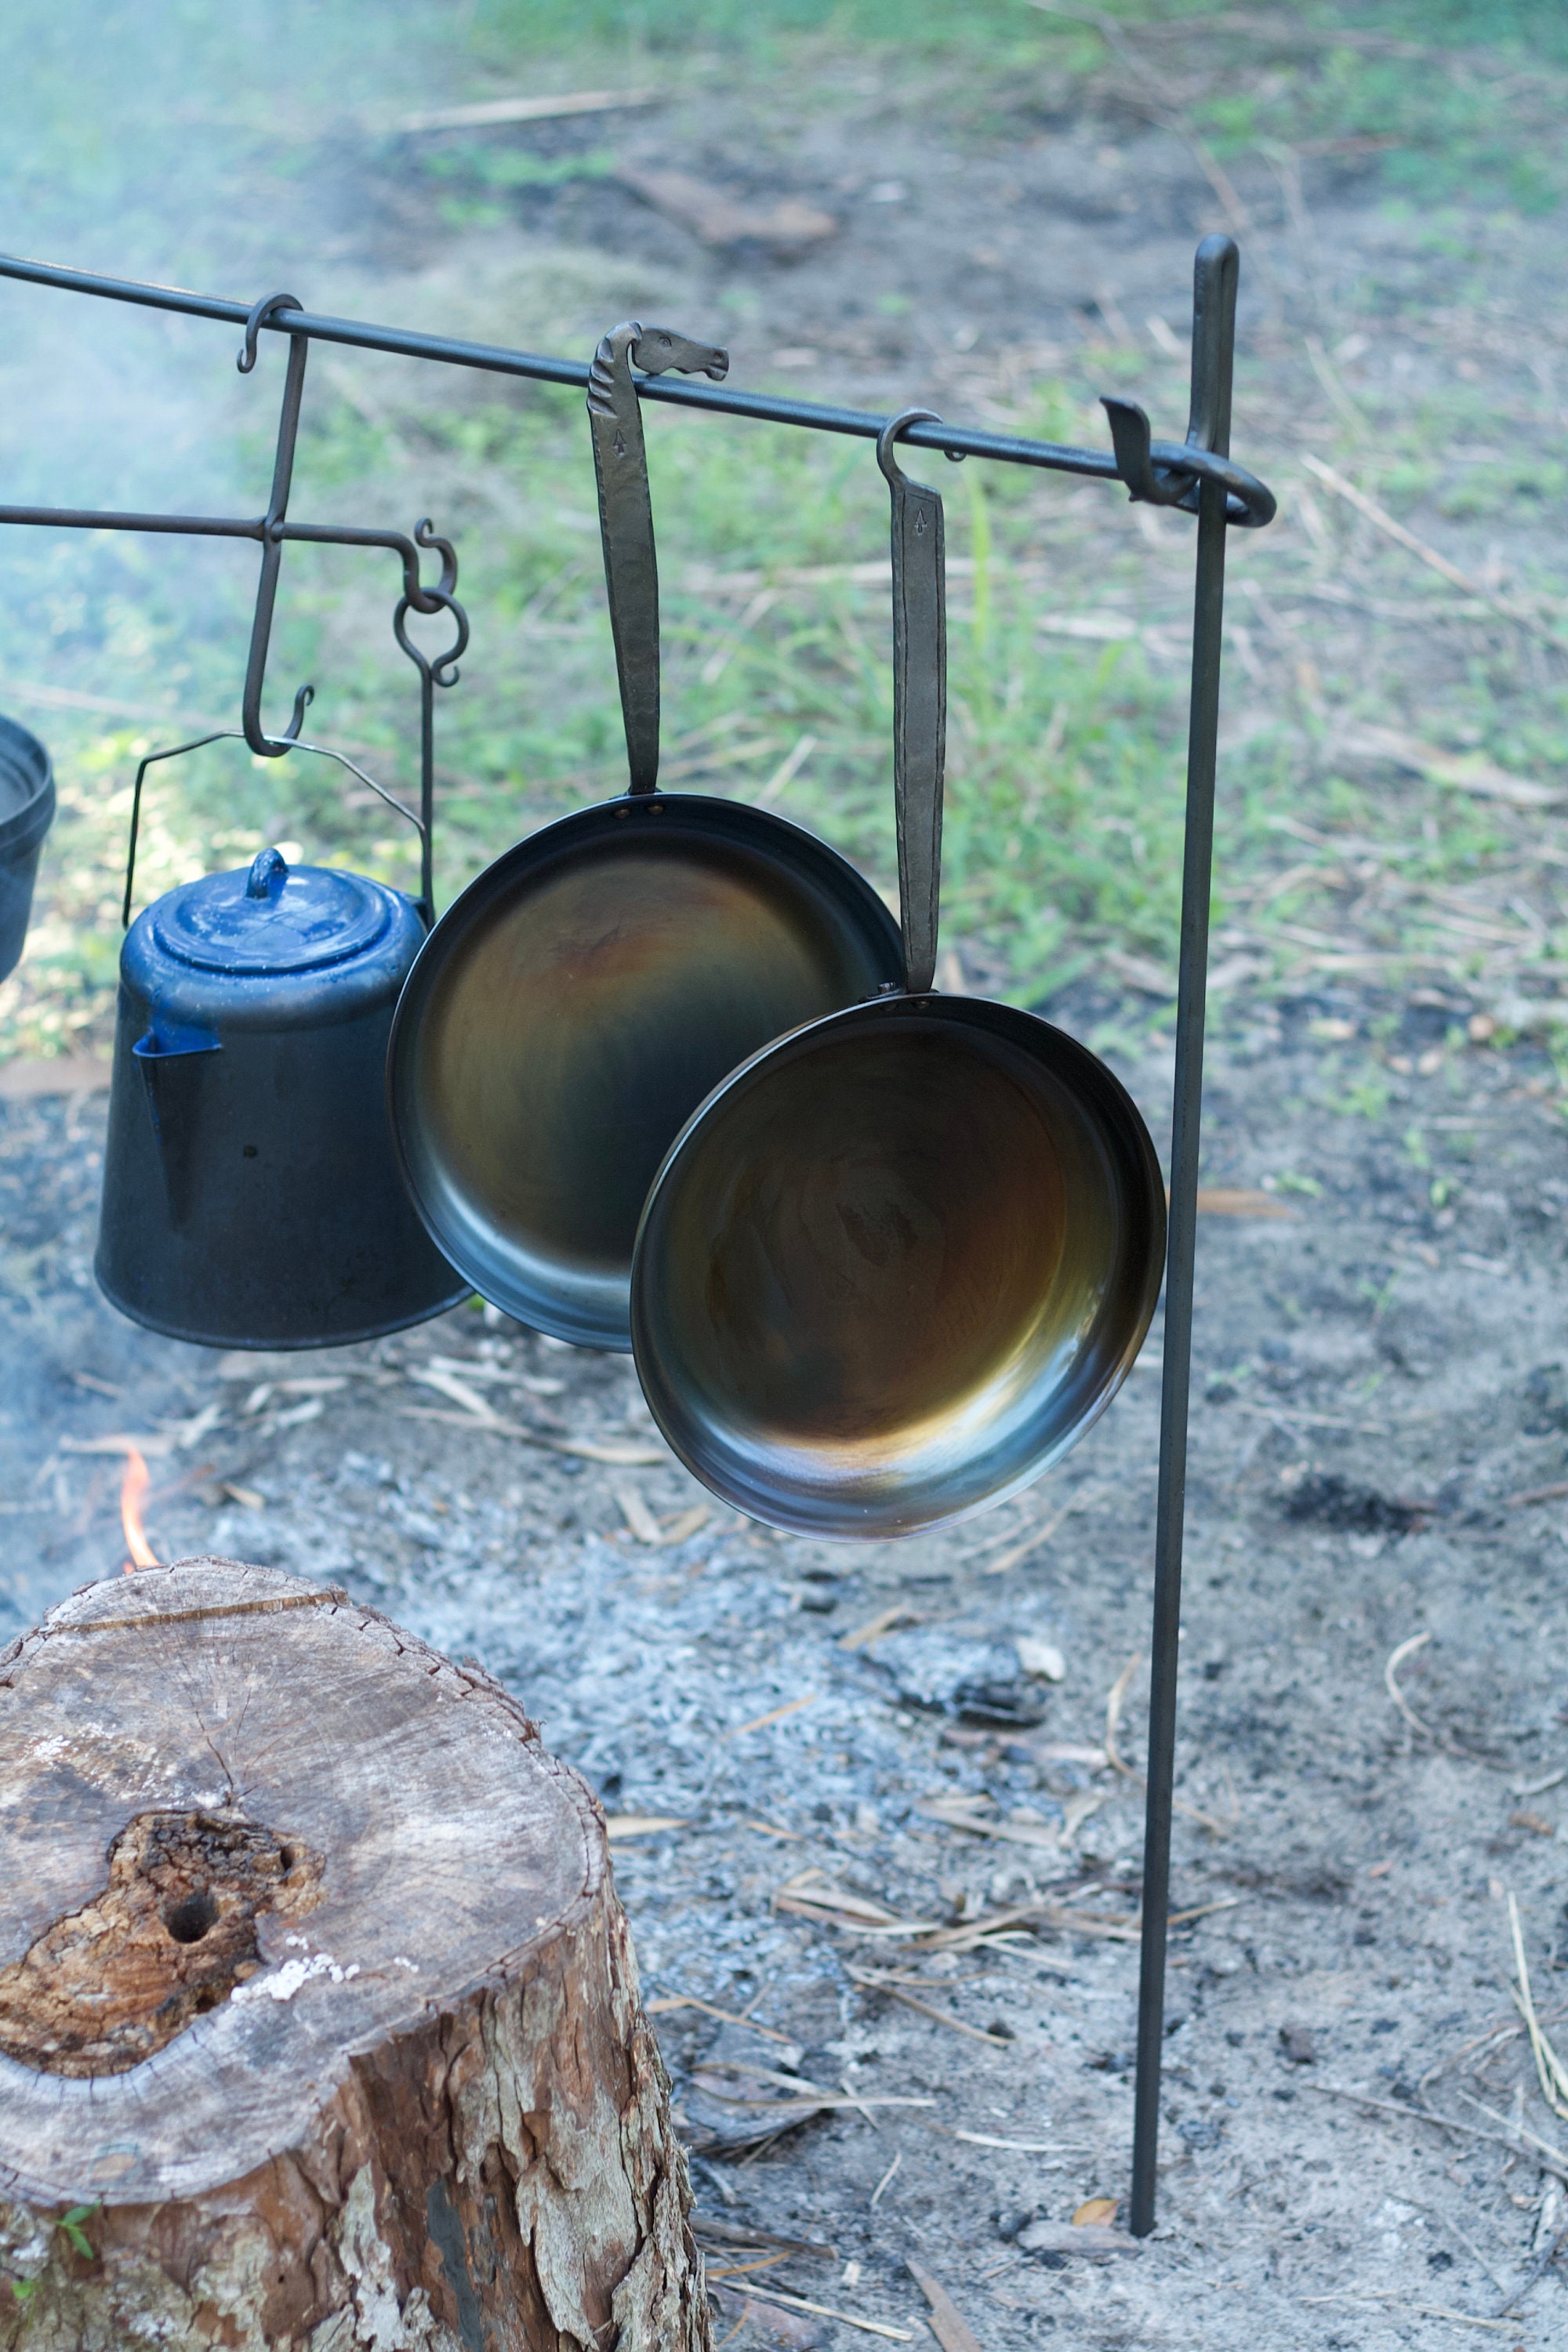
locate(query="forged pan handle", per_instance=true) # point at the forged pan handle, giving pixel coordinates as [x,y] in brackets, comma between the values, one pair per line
[625,516]
[919,701]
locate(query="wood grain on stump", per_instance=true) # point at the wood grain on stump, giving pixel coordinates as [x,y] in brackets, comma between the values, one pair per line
[315,1990]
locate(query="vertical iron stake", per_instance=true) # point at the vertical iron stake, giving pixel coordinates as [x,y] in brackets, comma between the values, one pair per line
[1214,336]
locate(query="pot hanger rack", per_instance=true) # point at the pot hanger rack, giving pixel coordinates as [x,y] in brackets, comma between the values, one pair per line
[1196,474]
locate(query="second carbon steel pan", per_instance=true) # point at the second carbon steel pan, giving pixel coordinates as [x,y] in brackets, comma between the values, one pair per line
[575,1005]
[901,1258]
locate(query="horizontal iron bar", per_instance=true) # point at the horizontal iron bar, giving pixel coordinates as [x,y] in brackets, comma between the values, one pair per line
[319,534]
[1251,501]
[106,518]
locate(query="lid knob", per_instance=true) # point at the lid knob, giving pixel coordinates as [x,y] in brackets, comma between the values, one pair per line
[269,873]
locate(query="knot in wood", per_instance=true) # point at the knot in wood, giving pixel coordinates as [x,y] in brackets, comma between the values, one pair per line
[172,1934]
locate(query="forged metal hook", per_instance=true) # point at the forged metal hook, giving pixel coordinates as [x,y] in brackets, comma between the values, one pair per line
[895,425]
[272,747]
[1171,474]
[440,670]
[260,313]
[625,515]
[920,698]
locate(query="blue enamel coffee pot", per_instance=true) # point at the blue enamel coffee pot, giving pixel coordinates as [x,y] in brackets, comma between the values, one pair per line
[251,1194]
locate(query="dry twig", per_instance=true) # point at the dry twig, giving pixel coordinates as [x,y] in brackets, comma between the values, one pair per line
[1548,2067]
[1396,1658]
[877,1983]
[1383,521]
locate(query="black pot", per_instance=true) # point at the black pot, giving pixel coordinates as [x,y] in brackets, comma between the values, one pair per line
[251,1197]
[27,812]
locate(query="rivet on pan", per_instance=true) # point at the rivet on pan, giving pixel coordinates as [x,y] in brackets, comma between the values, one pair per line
[656,808]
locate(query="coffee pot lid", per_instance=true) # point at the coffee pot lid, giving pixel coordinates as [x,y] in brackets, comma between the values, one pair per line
[272,918]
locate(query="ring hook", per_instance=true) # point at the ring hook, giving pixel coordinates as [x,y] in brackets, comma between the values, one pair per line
[889,434]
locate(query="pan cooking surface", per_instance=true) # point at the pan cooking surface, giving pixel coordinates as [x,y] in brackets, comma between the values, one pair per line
[897,1266]
[584,1005]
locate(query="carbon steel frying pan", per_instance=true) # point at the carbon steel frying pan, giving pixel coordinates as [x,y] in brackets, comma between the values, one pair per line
[901,1258]
[575,1005]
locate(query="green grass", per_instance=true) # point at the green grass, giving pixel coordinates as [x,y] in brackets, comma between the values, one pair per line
[1064,781]
[1065,755]
[1464,116]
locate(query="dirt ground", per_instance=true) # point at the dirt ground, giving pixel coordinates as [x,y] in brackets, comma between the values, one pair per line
[1379,1382]
[865,1781]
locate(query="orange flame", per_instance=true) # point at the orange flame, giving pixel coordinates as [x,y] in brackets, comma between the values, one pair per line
[133,1492]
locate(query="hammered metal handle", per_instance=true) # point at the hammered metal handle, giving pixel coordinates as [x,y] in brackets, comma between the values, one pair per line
[625,516]
[919,701]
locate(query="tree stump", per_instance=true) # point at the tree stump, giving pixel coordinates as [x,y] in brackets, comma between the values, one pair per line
[319,2015]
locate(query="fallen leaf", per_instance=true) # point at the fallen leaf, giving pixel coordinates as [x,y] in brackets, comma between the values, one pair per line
[948,2324]
[1095,2212]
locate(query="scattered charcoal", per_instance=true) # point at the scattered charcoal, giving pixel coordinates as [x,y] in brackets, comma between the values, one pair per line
[1009,2225]
[1328,1500]
[1013,1704]
[1297,2043]
[1320,1882]
[975,1682]
[1546,1402]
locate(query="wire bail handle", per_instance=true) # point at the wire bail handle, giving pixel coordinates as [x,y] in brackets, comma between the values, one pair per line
[920,700]
[625,515]
[258,869]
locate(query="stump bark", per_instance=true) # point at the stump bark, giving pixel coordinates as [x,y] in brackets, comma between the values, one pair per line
[319,2028]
